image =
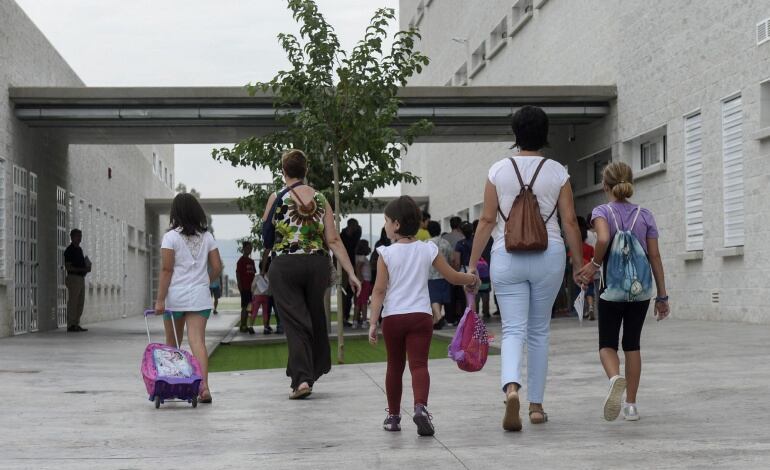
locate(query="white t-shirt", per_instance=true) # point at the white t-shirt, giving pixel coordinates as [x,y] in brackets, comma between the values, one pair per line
[547,187]
[408,270]
[189,288]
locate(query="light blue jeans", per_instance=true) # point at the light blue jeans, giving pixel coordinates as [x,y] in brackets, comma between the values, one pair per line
[526,285]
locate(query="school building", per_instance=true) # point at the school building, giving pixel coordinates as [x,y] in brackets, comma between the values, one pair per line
[691,114]
[49,185]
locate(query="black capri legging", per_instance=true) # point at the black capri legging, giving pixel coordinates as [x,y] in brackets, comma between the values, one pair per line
[612,315]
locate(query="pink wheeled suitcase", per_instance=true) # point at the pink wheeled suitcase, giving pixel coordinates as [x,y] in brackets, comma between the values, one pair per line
[169,372]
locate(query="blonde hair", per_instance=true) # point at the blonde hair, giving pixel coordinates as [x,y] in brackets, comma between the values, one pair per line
[619,178]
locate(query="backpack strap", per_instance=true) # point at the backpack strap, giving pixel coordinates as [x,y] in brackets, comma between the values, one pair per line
[537,172]
[638,210]
[614,217]
[299,199]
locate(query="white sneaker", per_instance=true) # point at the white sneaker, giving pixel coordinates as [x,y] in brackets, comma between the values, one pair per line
[630,412]
[612,404]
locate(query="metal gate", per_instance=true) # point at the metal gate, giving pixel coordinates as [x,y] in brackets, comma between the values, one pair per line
[21,311]
[61,245]
[34,262]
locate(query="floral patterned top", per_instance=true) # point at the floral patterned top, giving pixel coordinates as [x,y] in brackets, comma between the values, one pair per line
[300,230]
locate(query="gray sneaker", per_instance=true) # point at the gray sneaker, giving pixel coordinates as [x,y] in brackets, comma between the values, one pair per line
[423,420]
[392,423]
[630,412]
[613,402]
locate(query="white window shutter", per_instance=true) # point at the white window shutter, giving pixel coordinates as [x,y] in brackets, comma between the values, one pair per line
[693,182]
[732,171]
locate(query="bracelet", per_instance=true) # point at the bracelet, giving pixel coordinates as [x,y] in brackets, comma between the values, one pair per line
[661,299]
[595,263]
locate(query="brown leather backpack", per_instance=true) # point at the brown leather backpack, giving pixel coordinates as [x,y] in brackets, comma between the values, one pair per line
[524,227]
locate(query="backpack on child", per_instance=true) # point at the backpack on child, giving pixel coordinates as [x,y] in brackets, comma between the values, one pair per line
[525,229]
[628,275]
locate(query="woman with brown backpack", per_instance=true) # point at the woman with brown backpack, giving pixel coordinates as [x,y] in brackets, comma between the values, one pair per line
[528,256]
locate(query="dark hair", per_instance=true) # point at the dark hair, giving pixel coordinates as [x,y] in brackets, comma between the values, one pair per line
[362,248]
[75,231]
[294,163]
[384,240]
[264,264]
[455,222]
[187,214]
[425,216]
[404,211]
[467,230]
[247,243]
[434,228]
[352,223]
[530,128]
[588,220]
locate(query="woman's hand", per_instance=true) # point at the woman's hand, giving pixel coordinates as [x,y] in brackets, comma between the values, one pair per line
[661,309]
[473,287]
[584,275]
[355,284]
[160,307]
[373,333]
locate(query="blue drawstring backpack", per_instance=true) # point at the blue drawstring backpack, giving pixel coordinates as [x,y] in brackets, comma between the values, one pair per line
[629,276]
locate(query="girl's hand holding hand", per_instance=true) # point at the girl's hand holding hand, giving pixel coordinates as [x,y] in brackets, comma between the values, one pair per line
[373,333]
[160,307]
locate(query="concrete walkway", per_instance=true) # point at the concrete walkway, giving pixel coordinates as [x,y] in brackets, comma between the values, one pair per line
[77,401]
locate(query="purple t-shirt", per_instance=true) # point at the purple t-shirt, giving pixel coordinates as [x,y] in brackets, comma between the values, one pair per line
[625,212]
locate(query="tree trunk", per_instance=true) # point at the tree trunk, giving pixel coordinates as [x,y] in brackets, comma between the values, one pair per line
[337,208]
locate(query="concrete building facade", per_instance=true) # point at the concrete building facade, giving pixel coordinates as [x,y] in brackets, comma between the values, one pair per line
[48,187]
[692,117]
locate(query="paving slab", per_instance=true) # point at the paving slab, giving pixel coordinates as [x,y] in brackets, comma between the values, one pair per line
[74,401]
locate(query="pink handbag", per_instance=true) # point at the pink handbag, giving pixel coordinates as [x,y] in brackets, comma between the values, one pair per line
[470,346]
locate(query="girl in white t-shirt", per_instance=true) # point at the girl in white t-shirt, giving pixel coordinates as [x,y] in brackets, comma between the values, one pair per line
[189,263]
[401,294]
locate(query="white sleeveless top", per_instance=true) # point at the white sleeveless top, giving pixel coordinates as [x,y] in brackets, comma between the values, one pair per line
[547,187]
[408,271]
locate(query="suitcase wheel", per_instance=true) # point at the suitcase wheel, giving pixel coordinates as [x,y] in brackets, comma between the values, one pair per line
[157,401]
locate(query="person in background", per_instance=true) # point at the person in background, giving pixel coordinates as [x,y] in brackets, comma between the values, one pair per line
[77,266]
[350,236]
[486,282]
[422,234]
[260,290]
[383,241]
[439,289]
[364,273]
[593,287]
[455,235]
[460,258]
[189,262]
[216,291]
[245,271]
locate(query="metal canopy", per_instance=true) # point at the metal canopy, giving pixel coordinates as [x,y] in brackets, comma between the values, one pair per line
[151,115]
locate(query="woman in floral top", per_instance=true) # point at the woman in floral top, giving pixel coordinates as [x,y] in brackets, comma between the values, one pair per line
[299,273]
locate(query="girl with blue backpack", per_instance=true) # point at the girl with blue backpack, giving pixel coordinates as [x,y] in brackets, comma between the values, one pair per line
[628,256]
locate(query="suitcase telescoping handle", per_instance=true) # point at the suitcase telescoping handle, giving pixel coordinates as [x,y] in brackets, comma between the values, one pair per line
[151,311]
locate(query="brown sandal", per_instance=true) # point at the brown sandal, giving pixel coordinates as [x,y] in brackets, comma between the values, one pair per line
[301,393]
[511,419]
[542,420]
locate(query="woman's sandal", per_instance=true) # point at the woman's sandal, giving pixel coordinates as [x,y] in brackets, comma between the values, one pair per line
[301,393]
[511,419]
[542,420]
[205,397]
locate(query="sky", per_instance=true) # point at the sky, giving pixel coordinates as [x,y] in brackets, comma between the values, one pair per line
[188,43]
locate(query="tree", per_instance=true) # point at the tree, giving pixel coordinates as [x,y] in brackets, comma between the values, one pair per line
[340,109]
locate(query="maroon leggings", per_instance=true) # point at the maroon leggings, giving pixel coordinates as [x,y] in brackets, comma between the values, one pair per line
[407,335]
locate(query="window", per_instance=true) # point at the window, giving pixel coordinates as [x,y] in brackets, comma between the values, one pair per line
[732,171]
[598,169]
[522,12]
[160,170]
[165,175]
[3,223]
[653,152]
[154,163]
[498,38]
[763,31]
[764,104]
[693,182]
[461,76]
[478,59]
[171,180]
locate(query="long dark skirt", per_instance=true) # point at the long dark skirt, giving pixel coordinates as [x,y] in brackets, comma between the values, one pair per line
[298,284]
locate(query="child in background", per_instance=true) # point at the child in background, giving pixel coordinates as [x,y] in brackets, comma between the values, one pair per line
[364,273]
[260,289]
[401,294]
